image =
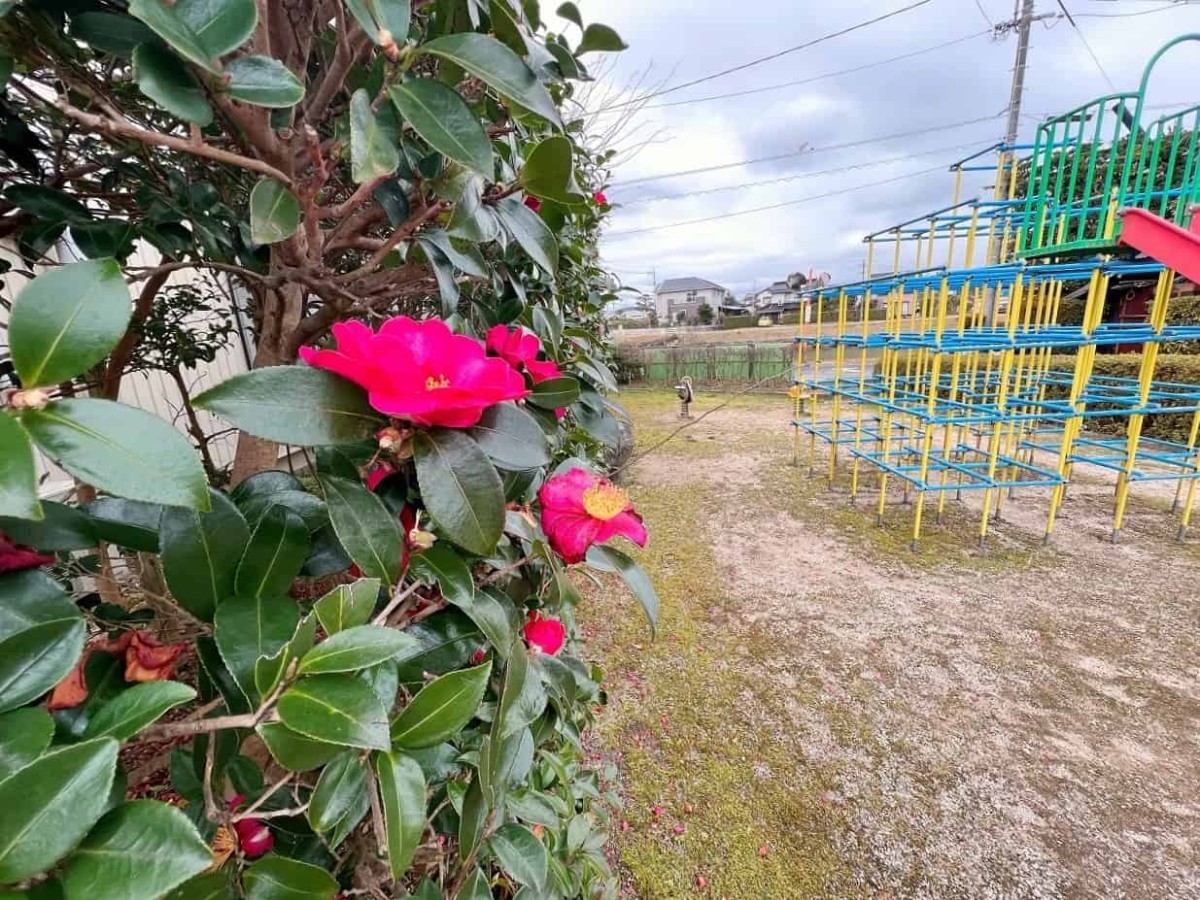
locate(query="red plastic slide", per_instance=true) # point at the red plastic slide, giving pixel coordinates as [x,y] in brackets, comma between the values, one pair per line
[1161,240]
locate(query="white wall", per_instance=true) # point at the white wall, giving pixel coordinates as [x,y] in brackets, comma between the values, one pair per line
[155,392]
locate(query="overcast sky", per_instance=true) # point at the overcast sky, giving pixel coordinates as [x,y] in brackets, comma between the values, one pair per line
[680,40]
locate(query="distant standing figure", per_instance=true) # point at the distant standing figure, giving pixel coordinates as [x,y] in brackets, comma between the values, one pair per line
[684,390]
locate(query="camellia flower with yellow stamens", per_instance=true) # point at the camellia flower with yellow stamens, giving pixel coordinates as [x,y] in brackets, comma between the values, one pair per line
[420,371]
[580,509]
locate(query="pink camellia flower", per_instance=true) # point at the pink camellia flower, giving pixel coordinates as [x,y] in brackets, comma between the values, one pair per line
[533,203]
[543,370]
[14,557]
[580,509]
[516,346]
[545,635]
[600,199]
[253,835]
[420,371]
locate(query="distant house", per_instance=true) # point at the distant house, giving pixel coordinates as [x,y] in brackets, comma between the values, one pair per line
[777,294]
[679,299]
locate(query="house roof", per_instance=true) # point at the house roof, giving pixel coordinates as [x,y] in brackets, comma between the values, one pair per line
[687,284]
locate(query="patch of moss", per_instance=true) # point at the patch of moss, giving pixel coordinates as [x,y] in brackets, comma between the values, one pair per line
[695,724]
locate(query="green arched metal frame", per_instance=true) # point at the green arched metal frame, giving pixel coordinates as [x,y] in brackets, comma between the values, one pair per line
[1096,159]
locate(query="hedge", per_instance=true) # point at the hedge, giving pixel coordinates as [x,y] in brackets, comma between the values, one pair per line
[731,322]
[1178,367]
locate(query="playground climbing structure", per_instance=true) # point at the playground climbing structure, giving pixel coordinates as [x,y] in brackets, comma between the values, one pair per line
[957,372]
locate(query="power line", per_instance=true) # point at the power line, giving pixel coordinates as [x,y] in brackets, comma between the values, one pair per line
[1087,46]
[758,209]
[799,177]
[762,59]
[983,12]
[810,80]
[1130,15]
[807,151]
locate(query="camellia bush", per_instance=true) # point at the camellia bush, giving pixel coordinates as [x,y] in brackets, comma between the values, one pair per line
[360,678]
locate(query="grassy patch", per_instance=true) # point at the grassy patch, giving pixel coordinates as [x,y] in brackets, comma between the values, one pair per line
[696,726]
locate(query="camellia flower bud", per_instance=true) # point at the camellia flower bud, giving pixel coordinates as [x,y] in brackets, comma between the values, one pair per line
[389,437]
[30,398]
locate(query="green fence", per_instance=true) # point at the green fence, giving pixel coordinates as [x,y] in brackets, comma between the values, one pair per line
[711,364]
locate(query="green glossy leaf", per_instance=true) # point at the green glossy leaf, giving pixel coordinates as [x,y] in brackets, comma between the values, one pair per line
[34,660]
[48,204]
[248,628]
[201,552]
[504,761]
[110,32]
[440,115]
[98,240]
[127,523]
[269,670]
[608,559]
[294,405]
[369,532]
[441,709]
[354,649]
[461,254]
[442,566]
[132,710]
[549,171]
[277,549]
[336,709]
[293,751]
[373,152]
[392,196]
[61,528]
[24,736]
[472,821]
[523,697]
[488,59]
[393,15]
[384,681]
[310,508]
[445,643]
[597,37]
[138,851]
[263,81]
[570,12]
[402,792]
[511,438]
[528,229]
[533,807]
[55,802]
[201,30]
[274,217]
[461,489]
[264,484]
[67,320]
[496,616]
[18,476]
[279,878]
[121,450]
[337,792]
[520,854]
[348,605]
[554,393]
[162,77]
[219,677]
[213,886]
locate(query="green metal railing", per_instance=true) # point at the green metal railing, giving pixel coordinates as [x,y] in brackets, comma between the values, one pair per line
[1098,158]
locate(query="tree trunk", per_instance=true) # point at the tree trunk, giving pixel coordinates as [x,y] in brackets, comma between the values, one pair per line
[281,312]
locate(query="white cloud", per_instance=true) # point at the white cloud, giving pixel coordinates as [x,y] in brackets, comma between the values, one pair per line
[969,80]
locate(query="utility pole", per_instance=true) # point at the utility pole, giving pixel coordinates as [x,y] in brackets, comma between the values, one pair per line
[1022,22]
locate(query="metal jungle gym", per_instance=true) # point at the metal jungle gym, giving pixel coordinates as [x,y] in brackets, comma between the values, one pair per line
[943,378]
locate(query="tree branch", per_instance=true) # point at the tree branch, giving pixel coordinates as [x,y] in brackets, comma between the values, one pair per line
[427,215]
[114,127]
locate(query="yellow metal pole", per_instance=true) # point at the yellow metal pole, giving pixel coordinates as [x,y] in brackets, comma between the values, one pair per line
[930,410]
[1006,362]
[839,361]
[1158,317]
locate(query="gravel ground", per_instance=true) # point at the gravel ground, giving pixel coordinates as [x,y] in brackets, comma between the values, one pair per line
[1025,720]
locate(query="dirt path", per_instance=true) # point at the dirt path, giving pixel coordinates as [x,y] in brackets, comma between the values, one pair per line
[826,714]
